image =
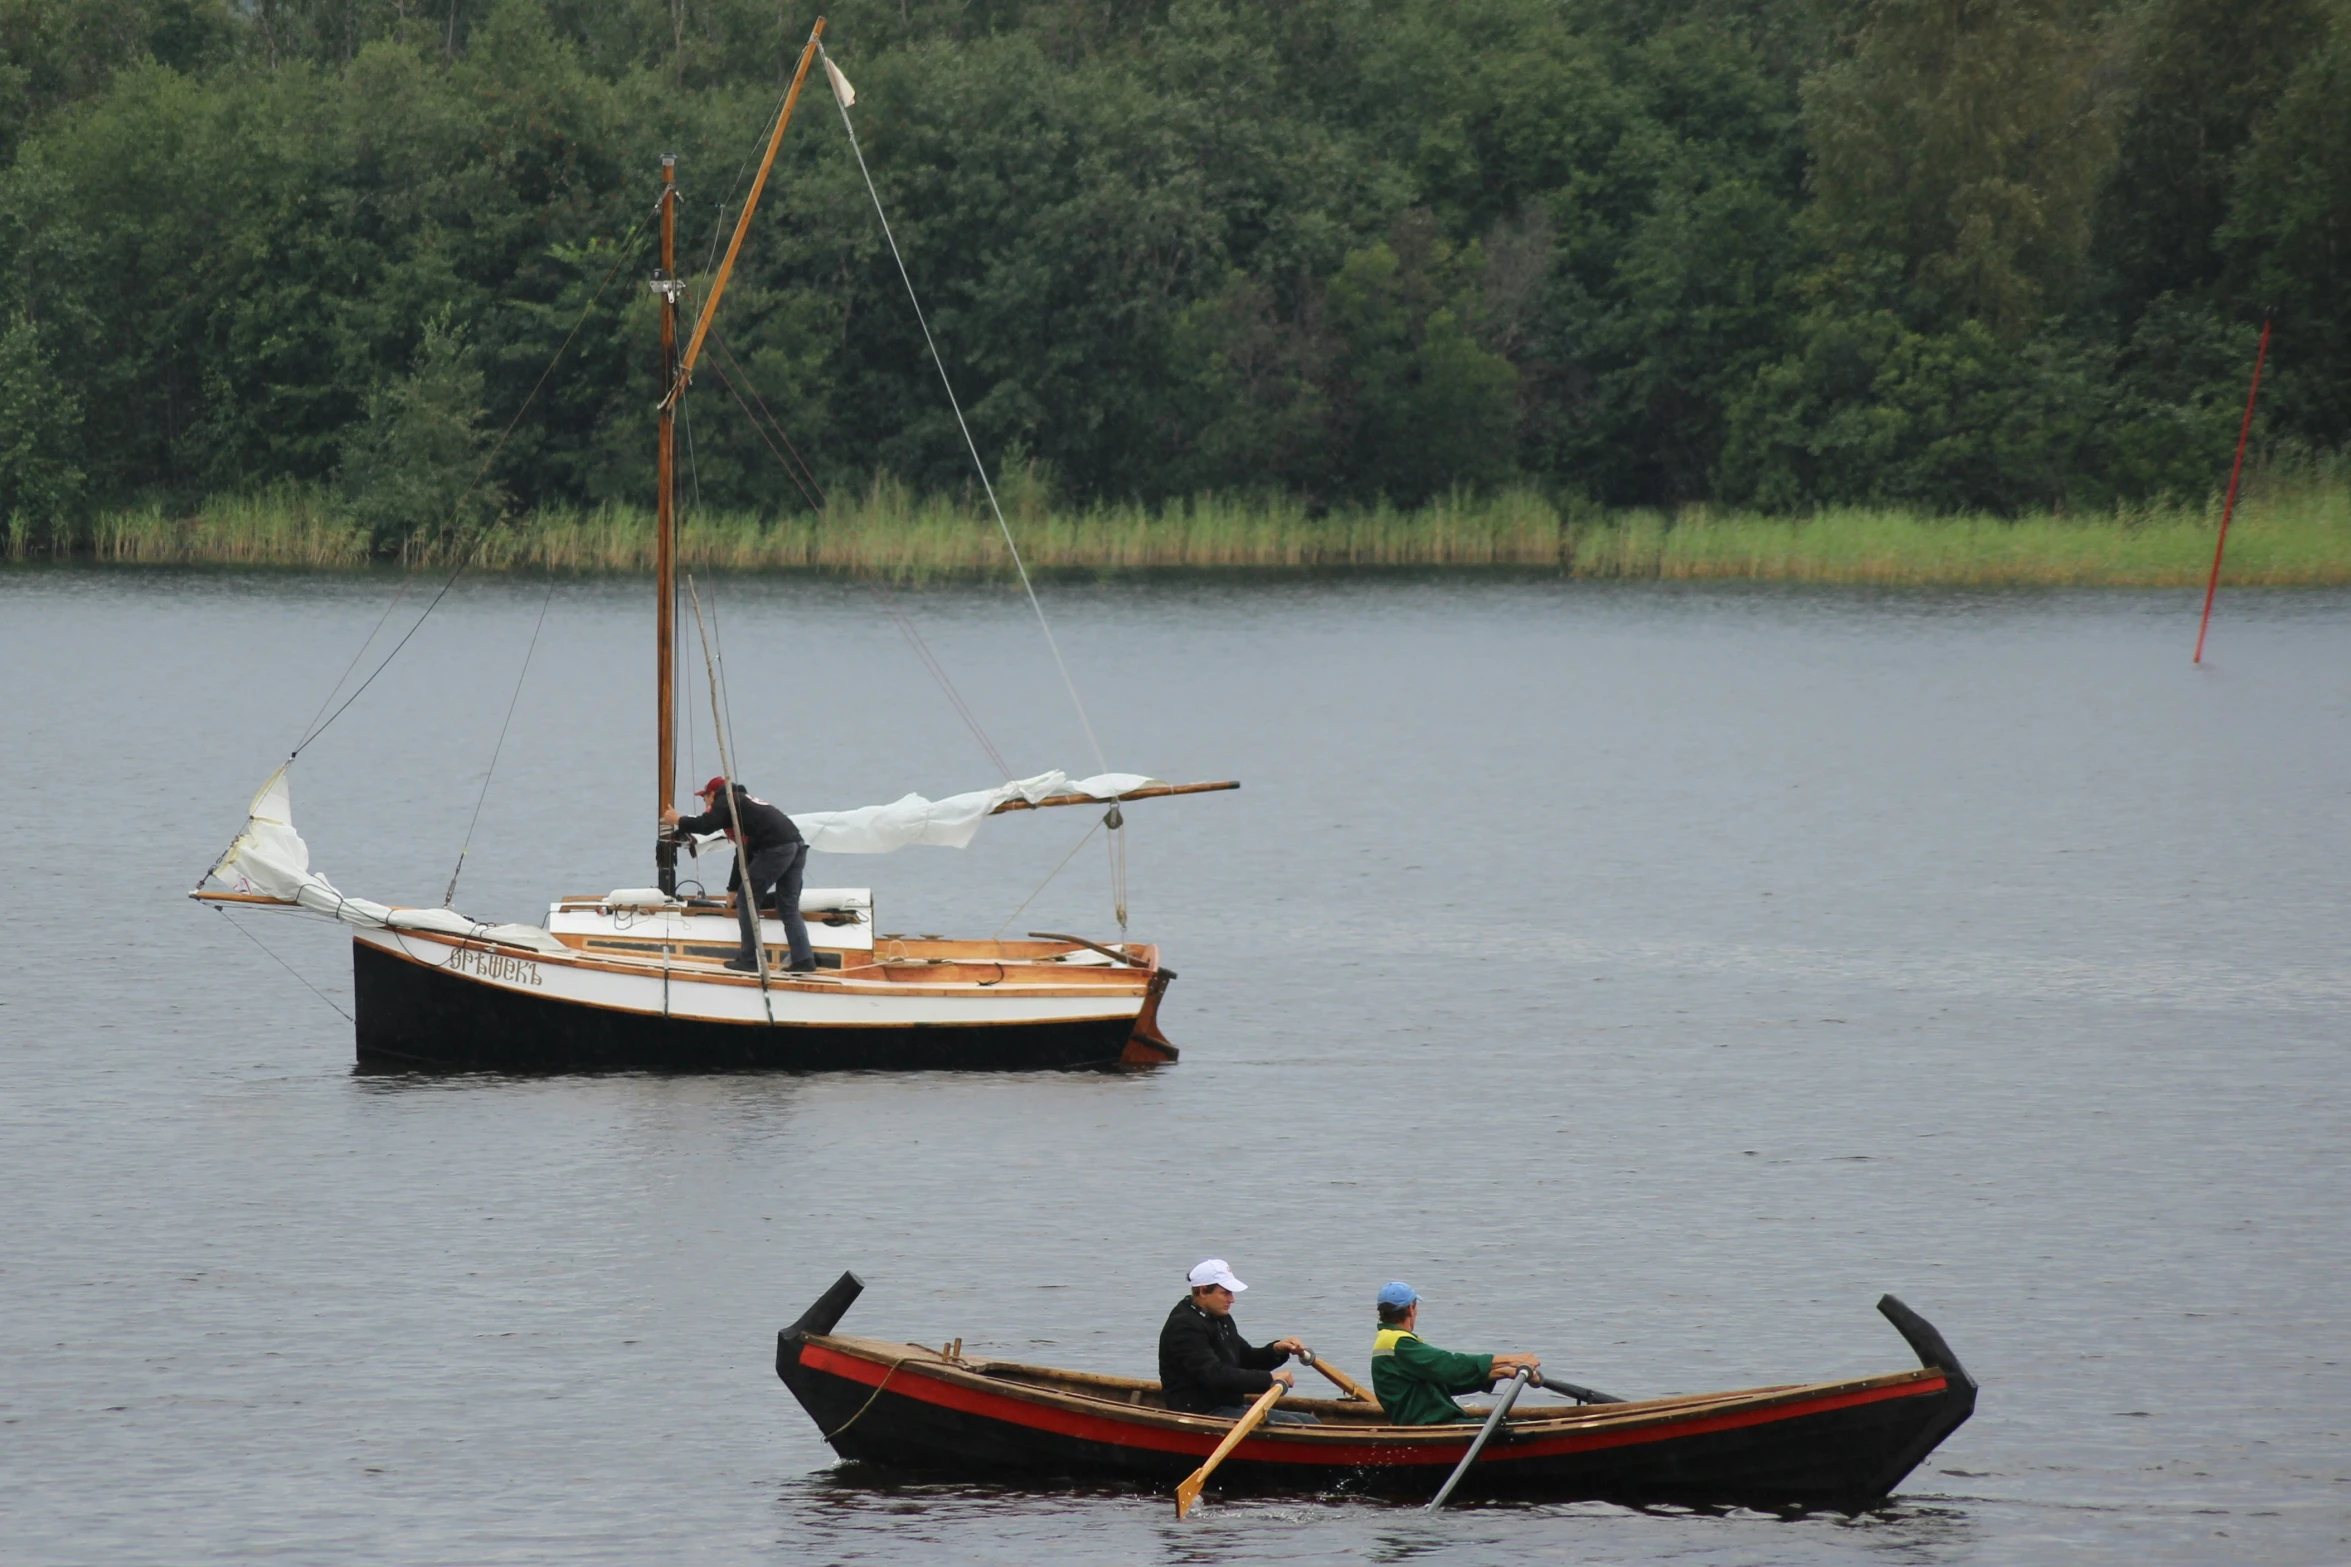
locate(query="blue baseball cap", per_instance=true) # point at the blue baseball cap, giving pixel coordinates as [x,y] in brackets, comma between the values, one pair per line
[1397,1294]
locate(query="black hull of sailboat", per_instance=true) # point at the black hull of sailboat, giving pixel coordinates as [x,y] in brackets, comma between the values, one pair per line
[413,1017]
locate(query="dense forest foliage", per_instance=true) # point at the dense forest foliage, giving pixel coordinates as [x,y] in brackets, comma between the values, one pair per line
[1989,254]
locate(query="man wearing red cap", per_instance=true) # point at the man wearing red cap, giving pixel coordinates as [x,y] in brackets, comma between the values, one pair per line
[769,857]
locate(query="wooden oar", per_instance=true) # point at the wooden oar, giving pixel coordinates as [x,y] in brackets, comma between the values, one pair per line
[1518,1385]
[1189,1492]
[1345,1383]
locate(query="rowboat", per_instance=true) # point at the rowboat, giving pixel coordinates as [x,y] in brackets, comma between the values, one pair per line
[1839,1445]
[637,978]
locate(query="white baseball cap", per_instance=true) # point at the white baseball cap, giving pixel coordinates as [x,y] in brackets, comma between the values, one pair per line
[1215,1271]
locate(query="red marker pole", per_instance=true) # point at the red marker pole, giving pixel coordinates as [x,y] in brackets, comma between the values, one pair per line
[2228,507]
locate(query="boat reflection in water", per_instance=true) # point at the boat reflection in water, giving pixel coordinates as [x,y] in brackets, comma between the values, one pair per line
[1841,1445]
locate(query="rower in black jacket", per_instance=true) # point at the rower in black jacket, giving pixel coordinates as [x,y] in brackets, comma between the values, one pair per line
[769,858]
[1205,1366]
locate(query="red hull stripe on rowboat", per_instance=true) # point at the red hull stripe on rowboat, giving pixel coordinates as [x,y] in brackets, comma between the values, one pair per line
[1136,1434]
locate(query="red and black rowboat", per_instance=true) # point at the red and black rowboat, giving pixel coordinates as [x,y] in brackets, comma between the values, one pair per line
[1841,1445]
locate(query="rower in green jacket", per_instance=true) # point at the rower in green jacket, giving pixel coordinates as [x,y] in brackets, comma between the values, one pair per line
[1415,1382]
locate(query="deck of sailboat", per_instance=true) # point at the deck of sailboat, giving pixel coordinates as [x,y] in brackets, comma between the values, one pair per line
[695,937]
[911,964]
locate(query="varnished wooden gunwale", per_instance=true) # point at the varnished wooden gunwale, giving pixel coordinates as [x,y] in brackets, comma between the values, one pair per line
[1347,1421]
[1122,982]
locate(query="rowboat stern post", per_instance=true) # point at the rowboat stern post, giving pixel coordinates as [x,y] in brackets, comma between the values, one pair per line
[1958,1398]
[821,1317]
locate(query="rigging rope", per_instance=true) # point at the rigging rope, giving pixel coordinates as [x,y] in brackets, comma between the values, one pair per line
[449,898]
[960,423]
[374,631]
[1049,875]
[814,499]
[682,680]
[813,492]
[693,462]
[718,642]
[1117,844]
[465,558]
[288,967]
[726,767]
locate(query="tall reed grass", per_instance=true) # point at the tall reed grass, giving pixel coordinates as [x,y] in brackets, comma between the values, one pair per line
[2290,529]
[286,525]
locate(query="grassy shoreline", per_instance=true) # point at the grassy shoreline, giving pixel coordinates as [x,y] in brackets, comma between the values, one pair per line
[2287,532]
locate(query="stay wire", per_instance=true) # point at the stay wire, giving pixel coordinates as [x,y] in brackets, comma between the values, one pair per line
[962,424]
[693,462]
[1048,881]
[726,767]
[449,898]
[811,488]
[288,967]
[938,671]
[717,642]
[718,367]
[813,492]
[406,582]
[718,220]
[465,559]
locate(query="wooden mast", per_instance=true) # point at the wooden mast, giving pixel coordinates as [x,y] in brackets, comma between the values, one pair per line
[726,268]
[665,562]
[675,374]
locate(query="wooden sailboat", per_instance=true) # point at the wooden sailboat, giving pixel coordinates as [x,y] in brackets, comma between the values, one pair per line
[634,979]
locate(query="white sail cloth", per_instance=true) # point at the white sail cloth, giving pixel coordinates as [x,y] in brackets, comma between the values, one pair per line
[270,860]
[948,823]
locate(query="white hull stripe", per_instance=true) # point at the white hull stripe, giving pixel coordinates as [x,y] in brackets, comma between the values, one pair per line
[790,1001]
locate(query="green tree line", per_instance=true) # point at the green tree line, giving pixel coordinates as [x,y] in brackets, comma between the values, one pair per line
[1946,254]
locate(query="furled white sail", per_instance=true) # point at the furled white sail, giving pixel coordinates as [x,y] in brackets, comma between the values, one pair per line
[948,823]
[270,860]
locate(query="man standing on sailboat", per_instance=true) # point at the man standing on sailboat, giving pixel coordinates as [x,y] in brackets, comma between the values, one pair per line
[769,858]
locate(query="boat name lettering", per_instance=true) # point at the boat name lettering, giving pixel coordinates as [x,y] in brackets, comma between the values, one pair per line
[496,965]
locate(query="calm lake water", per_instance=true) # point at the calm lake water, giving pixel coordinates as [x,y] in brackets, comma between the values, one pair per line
[1652,976]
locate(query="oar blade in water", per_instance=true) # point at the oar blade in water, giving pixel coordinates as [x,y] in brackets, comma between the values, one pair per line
[1188,1491]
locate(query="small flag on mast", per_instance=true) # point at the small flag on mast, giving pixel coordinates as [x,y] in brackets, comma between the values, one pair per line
[841,88]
